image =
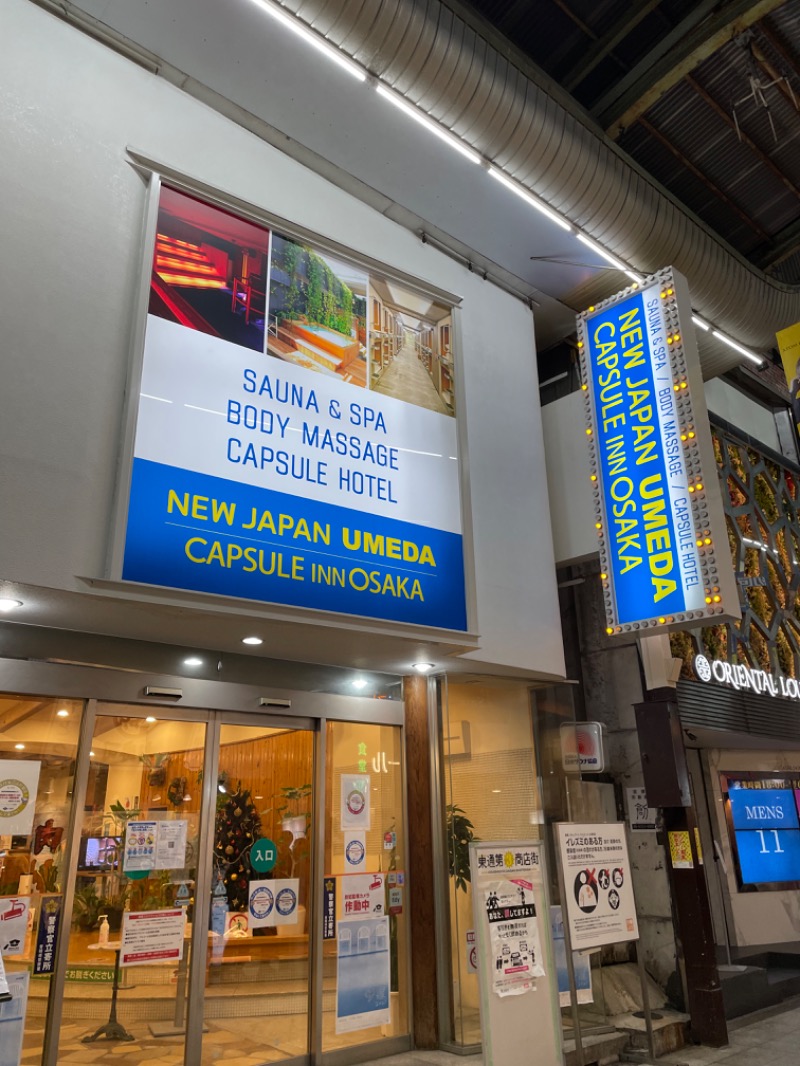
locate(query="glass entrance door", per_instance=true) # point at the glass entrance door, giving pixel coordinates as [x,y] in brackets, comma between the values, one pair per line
[188,934]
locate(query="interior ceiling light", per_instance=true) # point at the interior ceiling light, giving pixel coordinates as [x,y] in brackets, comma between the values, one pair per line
[359,682]
[529,198]
[598,249]
[91,754]
[423,668]
[63,713]
[150,719]
[193,660]
[20,747]
[7,604]
[428,123]
[311,37]
[252,640]
[700,323]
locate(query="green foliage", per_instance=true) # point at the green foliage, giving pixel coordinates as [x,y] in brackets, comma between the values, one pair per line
[292,797]
[460,834]
[314,291]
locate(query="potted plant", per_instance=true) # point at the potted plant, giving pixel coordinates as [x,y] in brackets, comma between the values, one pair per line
[87,908]
[293,819]
[460,833]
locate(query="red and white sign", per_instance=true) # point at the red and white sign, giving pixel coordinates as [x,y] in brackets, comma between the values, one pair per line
[582,747]
[363,896]
[13,924]
[472,952]
[152,936]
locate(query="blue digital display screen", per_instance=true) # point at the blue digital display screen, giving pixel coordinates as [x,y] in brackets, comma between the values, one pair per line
[763,808]
[769,855]
[766,830]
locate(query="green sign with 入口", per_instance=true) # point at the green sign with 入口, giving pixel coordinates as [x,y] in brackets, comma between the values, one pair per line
[263,855]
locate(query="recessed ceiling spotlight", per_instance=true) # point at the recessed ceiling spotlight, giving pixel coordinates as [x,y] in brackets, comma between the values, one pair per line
[150,719]
[252,640]
[20,747]
[359,682]
[7,604]
[193,660]
[423,668]
[91,754]
[63,713]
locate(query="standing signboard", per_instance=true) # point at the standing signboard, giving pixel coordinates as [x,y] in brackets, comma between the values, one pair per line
[516,973]
[660,523]
[597,884]
[280,454]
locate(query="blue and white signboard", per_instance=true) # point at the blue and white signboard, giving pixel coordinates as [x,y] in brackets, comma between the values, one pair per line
[657,498]
[296,435]
[766,831]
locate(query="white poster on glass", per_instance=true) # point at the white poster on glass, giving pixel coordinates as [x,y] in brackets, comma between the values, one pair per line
[152,936]
[363,896]
[19,781]
[13,924]
[12,1018]
[355,850]
[140,846]
[355,801]
[597,881]
[171,844]
[362,975]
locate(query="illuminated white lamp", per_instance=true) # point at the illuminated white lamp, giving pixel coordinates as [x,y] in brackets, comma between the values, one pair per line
[91,754]
[312,38]
[150,719]
[252,640]
[359,682]
[423,668]
[432,127]
[700,323]
[193,660]
[599,250]
[20,747]
[530,199]
[738,348]
[63,713]
[7,604]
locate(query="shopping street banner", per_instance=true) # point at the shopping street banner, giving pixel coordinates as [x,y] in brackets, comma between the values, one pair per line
[280,454]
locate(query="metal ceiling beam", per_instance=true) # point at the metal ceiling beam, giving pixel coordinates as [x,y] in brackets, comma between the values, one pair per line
[698,36]
[727,118]
[606,44]
[709,184]
[783,244]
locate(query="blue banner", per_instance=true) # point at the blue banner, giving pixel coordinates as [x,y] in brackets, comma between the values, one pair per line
[648,529]
[769,856]
[763,808]
[194,531]
[47,935]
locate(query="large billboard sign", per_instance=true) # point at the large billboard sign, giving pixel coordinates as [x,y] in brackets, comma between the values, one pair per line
[663,543]
[296,435]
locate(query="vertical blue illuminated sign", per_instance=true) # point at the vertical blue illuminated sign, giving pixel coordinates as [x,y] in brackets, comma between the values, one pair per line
[652,504]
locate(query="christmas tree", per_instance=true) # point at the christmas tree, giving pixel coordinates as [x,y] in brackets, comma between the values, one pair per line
[237,827]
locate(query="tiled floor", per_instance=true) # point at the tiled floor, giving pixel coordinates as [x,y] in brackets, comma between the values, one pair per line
[773,1040]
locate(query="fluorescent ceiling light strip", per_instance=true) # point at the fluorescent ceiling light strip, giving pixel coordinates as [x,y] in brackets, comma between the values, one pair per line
[599,250]
[699,322]
[529,198]
[737,347]
[311,37]
[428,123]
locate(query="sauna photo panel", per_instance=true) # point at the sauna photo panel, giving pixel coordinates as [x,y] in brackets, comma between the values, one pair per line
[210,270]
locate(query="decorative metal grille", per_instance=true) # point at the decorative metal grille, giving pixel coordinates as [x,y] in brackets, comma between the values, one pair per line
[762,510]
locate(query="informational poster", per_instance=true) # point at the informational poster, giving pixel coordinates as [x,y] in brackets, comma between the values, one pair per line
[171,844]
[273,902]
[355,850]
[641,818]
[19,781]
[362,895]
[513,935]
[140,847]
[597,878]
[155,845]
[47,934]
[395,904]
[362,974]
[152,936]
[355,809]
[581,964]
[511,946]
[237,925]
[279,454]
[13,924]
[12,1016]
